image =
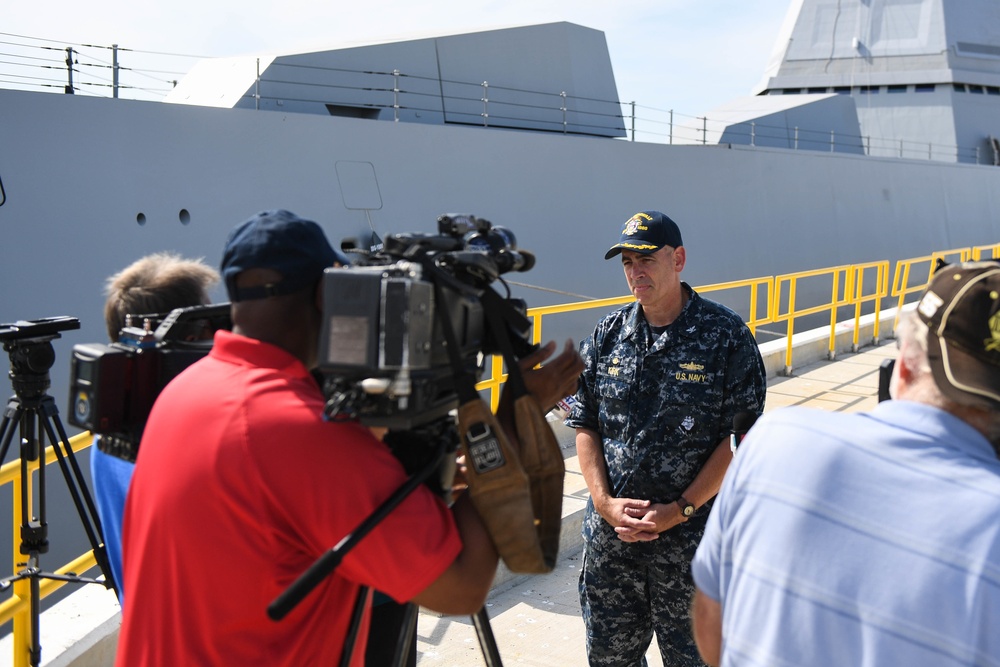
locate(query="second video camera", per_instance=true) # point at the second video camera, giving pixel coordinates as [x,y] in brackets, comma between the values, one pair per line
[113,387]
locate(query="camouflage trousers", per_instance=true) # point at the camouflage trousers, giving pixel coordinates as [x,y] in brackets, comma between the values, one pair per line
[628,591]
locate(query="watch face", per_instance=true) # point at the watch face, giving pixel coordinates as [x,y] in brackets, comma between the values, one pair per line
[688,510]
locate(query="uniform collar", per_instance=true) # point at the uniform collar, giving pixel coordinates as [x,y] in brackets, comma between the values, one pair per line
[683,325]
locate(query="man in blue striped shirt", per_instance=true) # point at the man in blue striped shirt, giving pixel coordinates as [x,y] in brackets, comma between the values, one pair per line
[871,538]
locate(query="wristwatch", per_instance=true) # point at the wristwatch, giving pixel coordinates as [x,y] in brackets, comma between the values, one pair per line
[687,509]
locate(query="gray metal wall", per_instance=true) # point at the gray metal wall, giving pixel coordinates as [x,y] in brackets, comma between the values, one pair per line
[77,175]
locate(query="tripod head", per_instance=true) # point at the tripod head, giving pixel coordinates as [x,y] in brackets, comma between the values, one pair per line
[28,343]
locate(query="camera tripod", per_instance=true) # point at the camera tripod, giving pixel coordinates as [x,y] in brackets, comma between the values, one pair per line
[407,628]
[36,418]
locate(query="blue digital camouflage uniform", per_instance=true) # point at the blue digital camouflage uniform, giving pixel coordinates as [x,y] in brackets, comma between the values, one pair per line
[661,407]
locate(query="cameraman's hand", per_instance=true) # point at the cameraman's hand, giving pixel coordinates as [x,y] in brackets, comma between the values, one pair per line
[460,483]
[556,379]
[553,381]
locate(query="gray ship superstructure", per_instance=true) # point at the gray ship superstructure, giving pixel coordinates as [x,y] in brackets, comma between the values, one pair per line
[924,75]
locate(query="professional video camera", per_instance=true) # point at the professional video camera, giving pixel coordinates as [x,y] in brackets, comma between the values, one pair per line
[113,387]
[404,335]
[401,322]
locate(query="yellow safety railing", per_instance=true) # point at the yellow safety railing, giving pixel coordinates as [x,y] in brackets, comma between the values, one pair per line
[923,269]
[840,295]
[17,608]
[980,252]
[849,286]
[497,374]
[860,296]
[754,285]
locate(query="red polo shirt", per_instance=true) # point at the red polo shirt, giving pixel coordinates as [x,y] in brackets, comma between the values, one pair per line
[240,485]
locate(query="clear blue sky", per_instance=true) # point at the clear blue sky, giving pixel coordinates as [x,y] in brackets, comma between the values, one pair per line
[686,55]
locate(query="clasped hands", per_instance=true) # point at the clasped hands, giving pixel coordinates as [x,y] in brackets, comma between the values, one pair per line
[637,520]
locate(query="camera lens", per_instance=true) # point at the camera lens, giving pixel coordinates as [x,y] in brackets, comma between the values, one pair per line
[478,242]
[507,237]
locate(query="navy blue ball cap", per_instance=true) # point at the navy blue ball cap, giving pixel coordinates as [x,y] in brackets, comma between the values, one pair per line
[645,233]
[279,240]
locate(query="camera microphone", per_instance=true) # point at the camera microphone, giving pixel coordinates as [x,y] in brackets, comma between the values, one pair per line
[514,260]
[742,421]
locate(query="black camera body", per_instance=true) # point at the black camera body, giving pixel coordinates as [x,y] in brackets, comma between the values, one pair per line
[113,387]
[885,379]
[383,352]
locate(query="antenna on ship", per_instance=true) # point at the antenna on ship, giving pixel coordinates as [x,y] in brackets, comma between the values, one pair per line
[34,415]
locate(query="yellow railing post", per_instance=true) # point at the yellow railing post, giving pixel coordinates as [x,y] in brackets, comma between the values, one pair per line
[992,250]
[831,348]
[17,608]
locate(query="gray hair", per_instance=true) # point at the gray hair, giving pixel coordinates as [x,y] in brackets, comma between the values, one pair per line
[911,333]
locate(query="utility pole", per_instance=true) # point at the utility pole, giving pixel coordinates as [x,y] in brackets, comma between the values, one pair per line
[114,71]
[69,70]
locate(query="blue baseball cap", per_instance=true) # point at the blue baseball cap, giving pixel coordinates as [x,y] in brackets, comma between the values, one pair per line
[279,240]
[645,233]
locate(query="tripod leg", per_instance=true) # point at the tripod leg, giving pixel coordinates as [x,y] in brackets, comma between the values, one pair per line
[77,487]
[77,474]
[6,435]
[364,593]
[405,646]
[35,655]
[487,642]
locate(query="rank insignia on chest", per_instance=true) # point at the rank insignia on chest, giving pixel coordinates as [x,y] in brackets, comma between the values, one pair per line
[688,423]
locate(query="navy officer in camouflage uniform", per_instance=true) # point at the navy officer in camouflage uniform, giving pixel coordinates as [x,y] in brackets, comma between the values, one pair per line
[664,378]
